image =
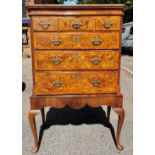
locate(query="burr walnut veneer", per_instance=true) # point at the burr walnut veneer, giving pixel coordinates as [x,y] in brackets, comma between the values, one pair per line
[76,53]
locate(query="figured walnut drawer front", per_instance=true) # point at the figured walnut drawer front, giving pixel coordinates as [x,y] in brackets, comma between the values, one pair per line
[76,82]
[106,40]
[75,60]
[107,23]
[76,23]
[45,23]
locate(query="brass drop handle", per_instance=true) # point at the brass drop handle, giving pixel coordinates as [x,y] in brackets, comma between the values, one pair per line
[56,41]
[76,24]
[107,24]
[57,83]
[97,41]
[56,60]
[96,82]
[44,24]
[96,60]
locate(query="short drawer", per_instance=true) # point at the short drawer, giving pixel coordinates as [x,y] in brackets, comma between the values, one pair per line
[45,23]
[107,23]
[76,24]
[76,60]
[106,40]
[76,82]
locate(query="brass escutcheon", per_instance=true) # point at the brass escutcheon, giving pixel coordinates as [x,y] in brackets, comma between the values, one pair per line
[76,24]
[107,24]
[76,38]
[44,24]
[57,83]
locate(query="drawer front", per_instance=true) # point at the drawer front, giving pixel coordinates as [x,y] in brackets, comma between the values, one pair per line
[75,60]
[76,82]
[45,23]
[107,40]
[107,23]
[76,23]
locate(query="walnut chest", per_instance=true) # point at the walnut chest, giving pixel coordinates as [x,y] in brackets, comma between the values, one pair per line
[76,53]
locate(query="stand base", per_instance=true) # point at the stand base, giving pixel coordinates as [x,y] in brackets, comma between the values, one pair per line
[38,103]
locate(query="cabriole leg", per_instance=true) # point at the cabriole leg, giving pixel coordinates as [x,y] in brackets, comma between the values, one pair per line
[32,122]
[121,114]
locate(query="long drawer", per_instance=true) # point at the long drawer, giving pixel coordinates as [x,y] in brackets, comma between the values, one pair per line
[76,60]
[76,82]
[106,40]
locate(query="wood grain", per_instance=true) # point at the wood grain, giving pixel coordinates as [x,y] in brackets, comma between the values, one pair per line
[96,7]
[53,23]
[31,117]
[121,114]
[66,23]
[75,12]
[109,40]
[76,60]
[115,23]
[76,101]
[76,82]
